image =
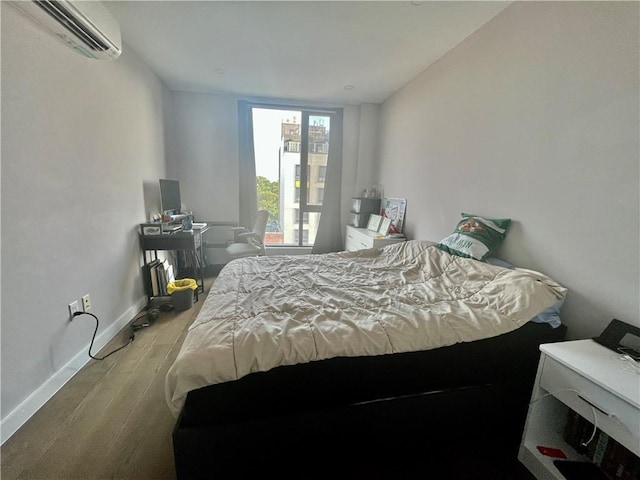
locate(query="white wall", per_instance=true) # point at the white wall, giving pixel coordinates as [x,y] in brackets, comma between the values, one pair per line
[367,142]
[204,153]
[533,117]
[80,140]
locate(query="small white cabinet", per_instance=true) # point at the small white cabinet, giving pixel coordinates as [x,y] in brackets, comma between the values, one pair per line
[587,378]
[360,238]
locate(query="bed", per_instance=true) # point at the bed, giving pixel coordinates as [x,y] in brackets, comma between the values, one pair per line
[293,359]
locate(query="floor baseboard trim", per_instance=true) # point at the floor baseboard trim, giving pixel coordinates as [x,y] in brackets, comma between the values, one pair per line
[23,412]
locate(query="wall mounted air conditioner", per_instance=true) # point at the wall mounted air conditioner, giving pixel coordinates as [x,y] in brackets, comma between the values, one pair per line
[86,26]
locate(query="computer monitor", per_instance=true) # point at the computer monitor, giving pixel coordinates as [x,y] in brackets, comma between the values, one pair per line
[170,196]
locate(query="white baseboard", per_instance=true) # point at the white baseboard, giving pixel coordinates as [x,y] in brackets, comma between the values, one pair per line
[23,412]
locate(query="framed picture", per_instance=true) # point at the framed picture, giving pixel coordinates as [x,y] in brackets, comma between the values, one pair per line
[385,224]
[374,222]
[394,209]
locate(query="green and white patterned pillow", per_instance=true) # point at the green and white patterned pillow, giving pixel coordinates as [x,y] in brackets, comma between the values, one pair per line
[475,236]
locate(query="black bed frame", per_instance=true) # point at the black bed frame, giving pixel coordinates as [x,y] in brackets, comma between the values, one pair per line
[388,411]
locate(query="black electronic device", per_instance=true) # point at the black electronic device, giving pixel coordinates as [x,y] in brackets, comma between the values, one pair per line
[170,196]
[621,338]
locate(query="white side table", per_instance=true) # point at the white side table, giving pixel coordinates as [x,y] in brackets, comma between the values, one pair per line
[359,238]
[591,380]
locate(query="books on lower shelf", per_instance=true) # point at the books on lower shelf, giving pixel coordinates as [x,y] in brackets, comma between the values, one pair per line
[156,275]
[611,457]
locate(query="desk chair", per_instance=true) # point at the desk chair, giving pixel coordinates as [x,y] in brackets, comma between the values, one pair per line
[249,243]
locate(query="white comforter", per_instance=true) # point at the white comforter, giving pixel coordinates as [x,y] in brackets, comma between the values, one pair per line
[282,310]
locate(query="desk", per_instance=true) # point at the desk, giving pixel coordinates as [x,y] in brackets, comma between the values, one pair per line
[181,240]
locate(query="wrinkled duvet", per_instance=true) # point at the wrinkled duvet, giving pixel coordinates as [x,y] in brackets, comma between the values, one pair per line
[264,312]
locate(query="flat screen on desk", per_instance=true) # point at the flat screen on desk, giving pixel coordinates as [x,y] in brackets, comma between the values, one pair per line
[170,195]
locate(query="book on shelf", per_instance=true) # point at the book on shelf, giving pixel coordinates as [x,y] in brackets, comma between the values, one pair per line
[162,279]
[165,276]
[620,462]
[155,290]
[613,458]
[156,275]
[577,432]
[147,276]
[601,446]
[171,277]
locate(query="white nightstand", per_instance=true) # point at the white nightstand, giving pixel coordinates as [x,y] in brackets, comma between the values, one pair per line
[359,238]
[591,380]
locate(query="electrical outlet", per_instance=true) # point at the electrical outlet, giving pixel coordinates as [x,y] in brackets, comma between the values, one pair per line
[86,302]
[73,308]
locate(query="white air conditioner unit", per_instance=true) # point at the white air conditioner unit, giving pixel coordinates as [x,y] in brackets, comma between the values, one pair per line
[86,26]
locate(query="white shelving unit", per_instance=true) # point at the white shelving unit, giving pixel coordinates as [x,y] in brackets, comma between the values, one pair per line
[590,379]
[360,238]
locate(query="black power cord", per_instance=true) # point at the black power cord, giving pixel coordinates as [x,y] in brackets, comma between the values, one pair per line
[151,316]
[131,337]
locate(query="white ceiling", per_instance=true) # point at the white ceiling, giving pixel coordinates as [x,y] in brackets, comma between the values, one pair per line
[300,50]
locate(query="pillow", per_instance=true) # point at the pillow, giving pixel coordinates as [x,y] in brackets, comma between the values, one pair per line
[475,237]
[550,315]
[501,222]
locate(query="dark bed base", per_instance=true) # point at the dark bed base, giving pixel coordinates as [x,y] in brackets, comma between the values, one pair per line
[306,421]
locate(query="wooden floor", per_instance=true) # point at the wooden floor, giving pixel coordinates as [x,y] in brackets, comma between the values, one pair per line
[110,421]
